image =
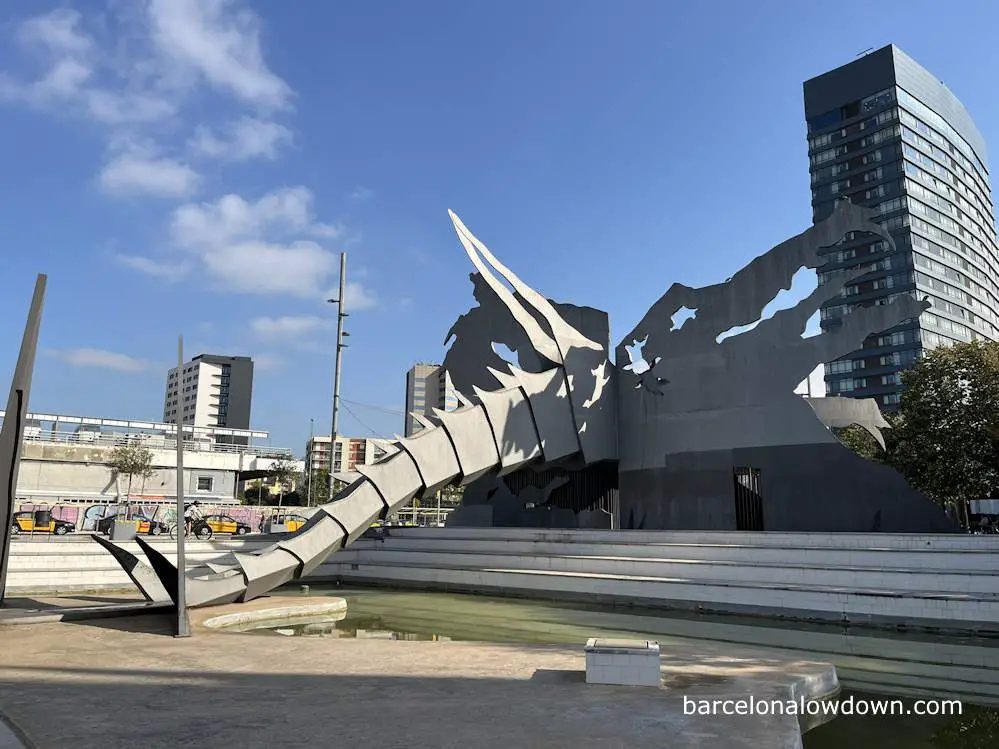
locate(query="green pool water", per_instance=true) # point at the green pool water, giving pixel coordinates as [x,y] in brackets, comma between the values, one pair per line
[431,616]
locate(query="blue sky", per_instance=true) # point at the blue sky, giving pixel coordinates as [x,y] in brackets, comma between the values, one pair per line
[195,166]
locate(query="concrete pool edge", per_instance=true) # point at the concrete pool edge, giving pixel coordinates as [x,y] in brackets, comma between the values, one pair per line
[12,736]
[264,611]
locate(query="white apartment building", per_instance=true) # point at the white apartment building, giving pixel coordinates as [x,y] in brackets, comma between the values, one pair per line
[428,386]
[210,391]
[348,452]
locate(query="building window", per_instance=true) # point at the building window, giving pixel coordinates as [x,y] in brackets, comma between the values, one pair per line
[205,483]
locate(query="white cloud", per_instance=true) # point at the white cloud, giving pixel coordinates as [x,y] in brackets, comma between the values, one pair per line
[245,139]
[77,72]
[258,247]
[167,271]
[262,268]
[290,326]
[92,357]
[268,362]
[232,218]
[141,173]
[222,46]
[358,297]
[131,69]
[362,193]
[58,31]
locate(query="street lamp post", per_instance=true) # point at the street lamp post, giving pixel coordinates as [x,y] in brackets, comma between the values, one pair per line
[340,345]
[183,626]
[308,477]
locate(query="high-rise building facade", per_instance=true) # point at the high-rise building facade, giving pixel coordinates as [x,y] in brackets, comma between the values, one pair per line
[428,386]
[210,391]
[347,453]
[885,133]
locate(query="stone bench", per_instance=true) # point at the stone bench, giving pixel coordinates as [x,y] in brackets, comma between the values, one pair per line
[625,662]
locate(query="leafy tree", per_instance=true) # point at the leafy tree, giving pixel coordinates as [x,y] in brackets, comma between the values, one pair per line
[133,462]
[293,498]
[945,437]
[451,495]
[318,488]
[283,472]
[257,494]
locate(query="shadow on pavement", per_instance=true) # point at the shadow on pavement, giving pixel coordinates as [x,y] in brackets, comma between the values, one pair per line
[163,623]
[142,707]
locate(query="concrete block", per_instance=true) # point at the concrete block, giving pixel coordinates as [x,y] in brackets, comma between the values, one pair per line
[435,458]
[314,542]
[624,662]
[548,394]
[473,441]
[357,510]
[266,572]
[396,479]
[513,427]
[210,590]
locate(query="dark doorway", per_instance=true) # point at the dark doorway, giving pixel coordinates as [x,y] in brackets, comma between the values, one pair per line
[748,502]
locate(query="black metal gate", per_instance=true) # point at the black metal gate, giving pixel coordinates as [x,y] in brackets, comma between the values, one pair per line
[748,500]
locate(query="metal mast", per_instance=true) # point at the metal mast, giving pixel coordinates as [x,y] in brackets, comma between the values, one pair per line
[340,345]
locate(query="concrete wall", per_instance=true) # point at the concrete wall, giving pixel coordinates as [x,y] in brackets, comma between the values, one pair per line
[50,478]
[802,488]
[52,469]
[946,582]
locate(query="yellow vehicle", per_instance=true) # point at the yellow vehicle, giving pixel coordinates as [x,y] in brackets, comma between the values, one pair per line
[292,522]
[227,524]
[40,522]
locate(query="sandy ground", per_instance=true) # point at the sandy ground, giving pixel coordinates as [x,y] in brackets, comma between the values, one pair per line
[125,682]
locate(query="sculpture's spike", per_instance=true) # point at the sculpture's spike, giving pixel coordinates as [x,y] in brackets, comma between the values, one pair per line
[540,341]
[505,379]
[347,477]
[563,332]
[144,577]
[163,567]
[463,399]
[422,420]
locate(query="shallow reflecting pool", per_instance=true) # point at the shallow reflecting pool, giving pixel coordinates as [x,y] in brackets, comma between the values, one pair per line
[867,661]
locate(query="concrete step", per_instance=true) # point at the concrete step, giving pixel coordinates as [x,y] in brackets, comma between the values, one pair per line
[750,539]
[944,611]
[918,559]
[981,584]
[980,693]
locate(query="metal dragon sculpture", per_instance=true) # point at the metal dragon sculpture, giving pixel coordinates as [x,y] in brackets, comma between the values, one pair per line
[559,407]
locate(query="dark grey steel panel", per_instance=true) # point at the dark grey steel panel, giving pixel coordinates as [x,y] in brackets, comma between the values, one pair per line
[855,80]
[817,488]
[926,87]
[882,69]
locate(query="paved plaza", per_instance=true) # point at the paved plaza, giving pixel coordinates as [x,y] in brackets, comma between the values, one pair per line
[126,682]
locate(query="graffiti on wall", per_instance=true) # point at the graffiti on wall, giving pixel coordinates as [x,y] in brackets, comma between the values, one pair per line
[87,518]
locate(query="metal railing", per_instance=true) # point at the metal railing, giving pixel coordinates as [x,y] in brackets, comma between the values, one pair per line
[153,442]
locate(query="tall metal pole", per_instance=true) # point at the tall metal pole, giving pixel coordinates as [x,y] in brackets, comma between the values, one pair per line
[336,367]
[183,627]
[12,432]
[308,461]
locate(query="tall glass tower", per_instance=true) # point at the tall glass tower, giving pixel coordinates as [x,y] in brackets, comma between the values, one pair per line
[885,133]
